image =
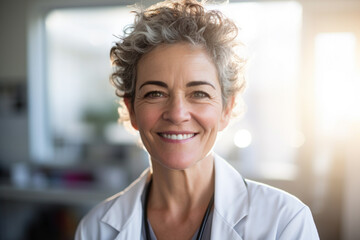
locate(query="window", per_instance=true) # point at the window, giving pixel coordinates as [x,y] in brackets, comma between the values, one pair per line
[82,105]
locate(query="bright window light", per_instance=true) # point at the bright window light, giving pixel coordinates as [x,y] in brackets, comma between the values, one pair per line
[337,85]
[81,101]
[271,32]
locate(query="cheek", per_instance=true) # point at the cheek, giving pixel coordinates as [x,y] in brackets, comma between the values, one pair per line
[209,116]
[147,116]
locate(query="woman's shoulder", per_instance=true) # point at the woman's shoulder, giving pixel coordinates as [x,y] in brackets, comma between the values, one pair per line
[98,211]
[277,210]
[263,193]
[92,224]
[257,194]
[279,213]
[127,196]
[101,219]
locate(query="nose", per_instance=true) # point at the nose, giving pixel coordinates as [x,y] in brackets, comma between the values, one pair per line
[177,110]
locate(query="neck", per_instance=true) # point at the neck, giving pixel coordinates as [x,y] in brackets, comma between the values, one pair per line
[182,190]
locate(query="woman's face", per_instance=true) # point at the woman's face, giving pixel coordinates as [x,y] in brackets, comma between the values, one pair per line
[178,107]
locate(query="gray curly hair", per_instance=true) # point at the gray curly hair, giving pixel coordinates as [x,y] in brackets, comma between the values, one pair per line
[172,22]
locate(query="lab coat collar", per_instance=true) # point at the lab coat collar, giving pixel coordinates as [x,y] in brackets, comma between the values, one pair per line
[120,217]
[231,200]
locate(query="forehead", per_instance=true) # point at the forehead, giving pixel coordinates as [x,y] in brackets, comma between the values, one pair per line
[179,61]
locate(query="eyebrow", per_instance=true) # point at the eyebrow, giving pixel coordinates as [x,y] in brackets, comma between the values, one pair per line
[158,83]
[197,83]
[190,84]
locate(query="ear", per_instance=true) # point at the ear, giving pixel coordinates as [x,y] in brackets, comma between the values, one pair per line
[226,114]
[131,112]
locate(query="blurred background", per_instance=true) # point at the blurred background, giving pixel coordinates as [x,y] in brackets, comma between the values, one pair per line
[62,150]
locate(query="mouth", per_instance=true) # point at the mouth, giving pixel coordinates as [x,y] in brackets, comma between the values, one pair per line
[177,136]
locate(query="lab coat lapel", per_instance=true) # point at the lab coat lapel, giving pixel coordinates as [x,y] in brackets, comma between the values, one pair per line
[127,221]
[221,229]
[231,201]
[132,231]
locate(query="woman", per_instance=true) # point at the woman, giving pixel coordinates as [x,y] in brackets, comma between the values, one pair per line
[178,75]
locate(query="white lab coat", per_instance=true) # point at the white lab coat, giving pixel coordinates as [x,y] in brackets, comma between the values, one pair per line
[242,210]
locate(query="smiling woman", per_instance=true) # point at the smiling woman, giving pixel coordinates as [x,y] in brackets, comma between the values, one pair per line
[179,77]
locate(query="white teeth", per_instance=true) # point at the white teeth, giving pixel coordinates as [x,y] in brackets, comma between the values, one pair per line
[177,136]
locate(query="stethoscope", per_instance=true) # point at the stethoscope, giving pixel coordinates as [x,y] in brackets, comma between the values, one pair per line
[203,222]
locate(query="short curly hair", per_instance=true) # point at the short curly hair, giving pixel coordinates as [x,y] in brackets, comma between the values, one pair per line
[171,22]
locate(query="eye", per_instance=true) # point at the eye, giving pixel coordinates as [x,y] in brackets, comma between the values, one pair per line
[154,94]
[200,94]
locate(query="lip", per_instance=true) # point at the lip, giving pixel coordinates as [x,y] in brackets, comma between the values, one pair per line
[185,136]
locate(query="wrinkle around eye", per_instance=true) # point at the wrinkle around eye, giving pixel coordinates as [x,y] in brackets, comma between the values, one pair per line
[154,95]
[201,95]
[143,99]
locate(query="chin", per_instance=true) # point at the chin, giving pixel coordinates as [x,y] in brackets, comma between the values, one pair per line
[179,162]
[176,163]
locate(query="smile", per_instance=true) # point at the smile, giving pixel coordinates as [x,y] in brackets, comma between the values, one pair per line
[177,136]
